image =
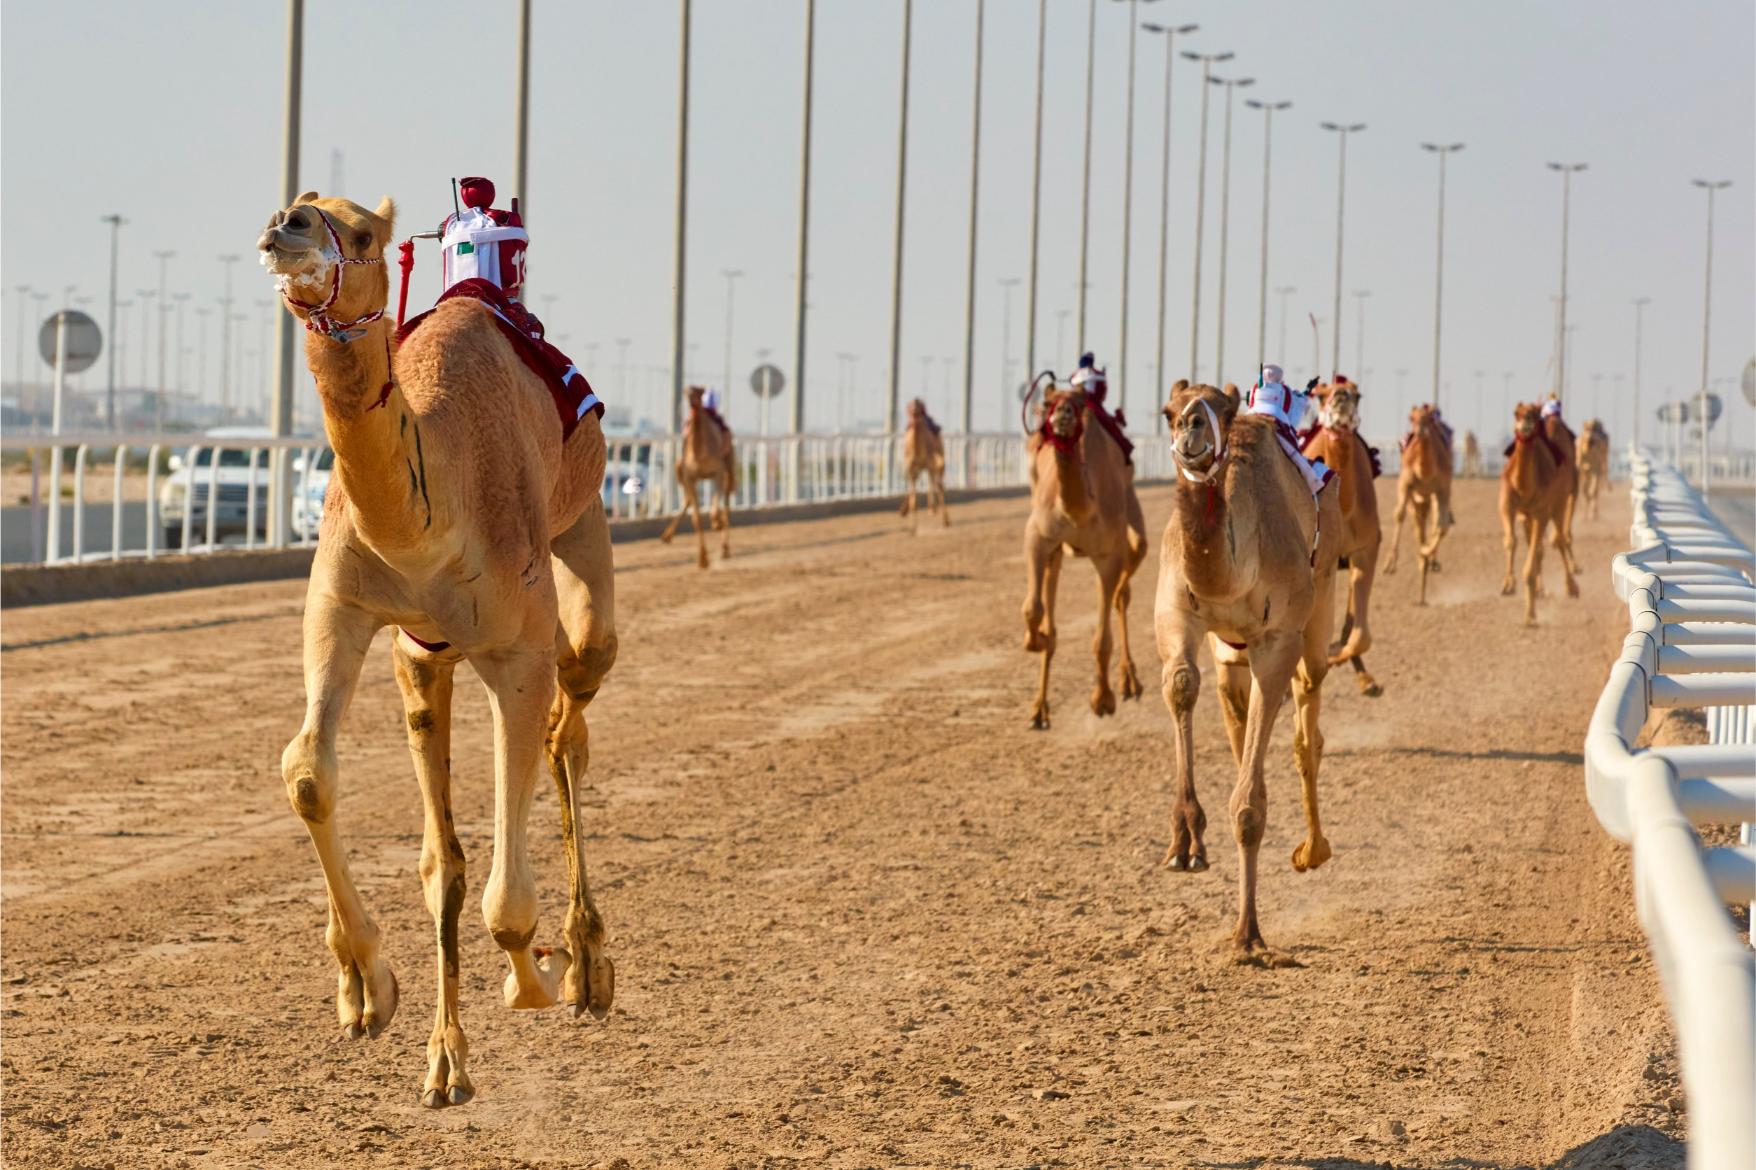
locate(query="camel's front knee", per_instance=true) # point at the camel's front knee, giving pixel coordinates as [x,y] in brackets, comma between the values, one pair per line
[308,769]
[1248,824]
[1182,687]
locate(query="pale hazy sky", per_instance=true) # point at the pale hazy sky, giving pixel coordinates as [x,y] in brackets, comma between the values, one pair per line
[170,114]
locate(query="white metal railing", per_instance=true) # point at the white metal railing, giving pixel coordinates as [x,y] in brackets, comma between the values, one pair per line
[1692,609]
[640,482]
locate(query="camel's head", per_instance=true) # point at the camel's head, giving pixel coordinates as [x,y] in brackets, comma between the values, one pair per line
[327,255]
[693,394]
[1338,405]
[1066,413]
[1527,419]
[1420,415]
[917,408]
[1199,418]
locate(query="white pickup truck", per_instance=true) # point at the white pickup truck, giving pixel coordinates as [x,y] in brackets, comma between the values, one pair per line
[230,482]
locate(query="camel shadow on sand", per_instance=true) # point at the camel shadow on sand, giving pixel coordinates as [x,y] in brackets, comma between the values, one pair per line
[1626,1147]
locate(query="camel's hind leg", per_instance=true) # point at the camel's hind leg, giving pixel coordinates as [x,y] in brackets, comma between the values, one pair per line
[910,506]
[1443,522]
[1356,635]
[585,650]
[1402,494]
[337,636]
[425,680]
[1043,563]
[688,486]
[1233,668]
[722,514]
[1103,699]
[1308,678]
[939,505]
[1564,544]
[1533,566]
[1271,667]
[694,505]
[1420,508]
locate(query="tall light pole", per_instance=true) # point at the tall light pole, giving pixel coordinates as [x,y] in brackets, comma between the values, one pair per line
[115,222]
[1207,62]
[1707,318]
[731,275]
[1170,34]
[24,291]
[1341,132]
[802,306]
[164,259]
[1360,295]
[1061,316]
[201,354]
[1225,220]
[145,297]
[1127,204]
[280,517]
[975,167]
[1439,265]
[1640,304]
[226,338]
[891,403]
[677,298]
[1036,196]
[1268,111]
[521,114]
[1567,171]
[1283,292]
[1085,171]
[1008,283]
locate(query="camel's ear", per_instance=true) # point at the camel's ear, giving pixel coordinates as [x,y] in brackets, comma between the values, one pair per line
[1232,399]
[386,213]
[307,197]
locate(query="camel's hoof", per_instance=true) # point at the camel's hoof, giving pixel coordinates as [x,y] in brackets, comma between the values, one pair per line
[1103,702]
[455,1095]
[1506,589]
[550,965]
[1131,688]
[1039,719]
[665,537]
[1195,864]
[600,993]
[1434,566]
[1261,956]
[1390,569]
[362,1010]
[1572,589]
[725,552]
[1311,854]
[1369,687]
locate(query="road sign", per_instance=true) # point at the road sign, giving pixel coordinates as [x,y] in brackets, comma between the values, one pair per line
[1715,405]
[84,340]
[1750,381]
[1674,412]
[767,381]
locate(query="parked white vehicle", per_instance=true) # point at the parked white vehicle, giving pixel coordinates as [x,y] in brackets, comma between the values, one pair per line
[230,482]
[309,486]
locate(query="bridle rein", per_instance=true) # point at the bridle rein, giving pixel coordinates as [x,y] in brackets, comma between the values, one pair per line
[317,318]
[1206,474]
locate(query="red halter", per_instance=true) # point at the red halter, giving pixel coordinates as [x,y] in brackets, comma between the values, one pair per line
[317,318]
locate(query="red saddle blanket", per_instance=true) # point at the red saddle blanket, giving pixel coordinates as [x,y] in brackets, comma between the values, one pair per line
[1112,424]
[567,386]
[1311,432]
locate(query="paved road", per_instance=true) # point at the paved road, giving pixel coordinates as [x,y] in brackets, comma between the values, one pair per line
[1736,509]
[16,546]
[861,916]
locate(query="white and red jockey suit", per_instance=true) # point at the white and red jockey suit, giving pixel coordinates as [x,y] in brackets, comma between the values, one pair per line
[1286,407]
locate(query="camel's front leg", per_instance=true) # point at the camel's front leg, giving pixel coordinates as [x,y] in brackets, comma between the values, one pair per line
[1308,677]
[1179,642]
[723,507]
[688,486]
[521,684]
[1103,699]
[1509,540]
[939,497]
[1043,569]
[425,680]
[1396,533]
[1444,521]
[909,505]
[1533,566]
[337,636]
[1421,508]
[1131,688]
[1271,667]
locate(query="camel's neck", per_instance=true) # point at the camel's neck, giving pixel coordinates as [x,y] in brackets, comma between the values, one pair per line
[1530,467]
[1201,510]
[379,454]
[1071,492]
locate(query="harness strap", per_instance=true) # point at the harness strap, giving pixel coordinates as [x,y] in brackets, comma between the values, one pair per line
[317,318]
[1219,455]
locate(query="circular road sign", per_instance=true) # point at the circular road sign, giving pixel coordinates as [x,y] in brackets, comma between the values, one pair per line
[84,340]
[1674,412]
[767,381]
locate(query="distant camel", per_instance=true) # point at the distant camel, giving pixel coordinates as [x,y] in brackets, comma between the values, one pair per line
[1338,444]
[1532,486]
[923,451]
[1472,455]
[707,456]
[1594,463]
[1561,435]
[1424,485]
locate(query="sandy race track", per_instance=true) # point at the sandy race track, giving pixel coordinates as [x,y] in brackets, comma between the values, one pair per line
[861,915]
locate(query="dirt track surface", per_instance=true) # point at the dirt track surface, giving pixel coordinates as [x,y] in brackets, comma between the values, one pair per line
[861,915]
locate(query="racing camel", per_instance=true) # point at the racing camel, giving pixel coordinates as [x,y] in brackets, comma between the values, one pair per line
[1249,560]
[1472,456]
[1337,442]
[707,456]
[1533,487]
[1594,463]
[1423,486]
[462,513]
[1082,501]
[1561,436]
[923,452]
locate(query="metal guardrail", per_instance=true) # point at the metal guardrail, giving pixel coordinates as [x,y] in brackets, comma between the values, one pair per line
[1692,612]
[640,480]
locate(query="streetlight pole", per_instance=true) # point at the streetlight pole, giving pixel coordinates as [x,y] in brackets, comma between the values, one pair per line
[226,338]
[1036,196]
[677,299]
[145,297]
[280,516]
[1207,62]
[908,12]
[1360,295]
[731,275]
[1567,171]
[1640,304]
[1007,283]
[24,291]
[521,115]
[1225,220]
[1127,204]
[115,222]
[1164,207]
[1706,320]
[1439,265]
[802,306]
[1085,172]
[1268,110]
[164,313]
[1341,133]
[975,167]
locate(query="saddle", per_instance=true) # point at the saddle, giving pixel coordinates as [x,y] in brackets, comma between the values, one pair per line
[573,395]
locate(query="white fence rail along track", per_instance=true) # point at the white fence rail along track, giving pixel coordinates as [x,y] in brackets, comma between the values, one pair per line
[204,504]
[1692,612]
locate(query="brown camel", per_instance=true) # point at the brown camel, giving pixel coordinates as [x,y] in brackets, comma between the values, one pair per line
[1082,501]
[1423,485]
[1594,463]
[1561,435]
[1249,560]
[1338,443]
[1533,486]
[707,456]
[1472,455]
[923,451]
[458,513]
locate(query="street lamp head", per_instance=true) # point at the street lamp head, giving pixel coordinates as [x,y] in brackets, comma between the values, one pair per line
[1329,126]
[1356,127]
[1187,28]
[1712,186]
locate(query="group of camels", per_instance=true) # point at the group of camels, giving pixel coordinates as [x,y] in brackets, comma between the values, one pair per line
[461,515]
